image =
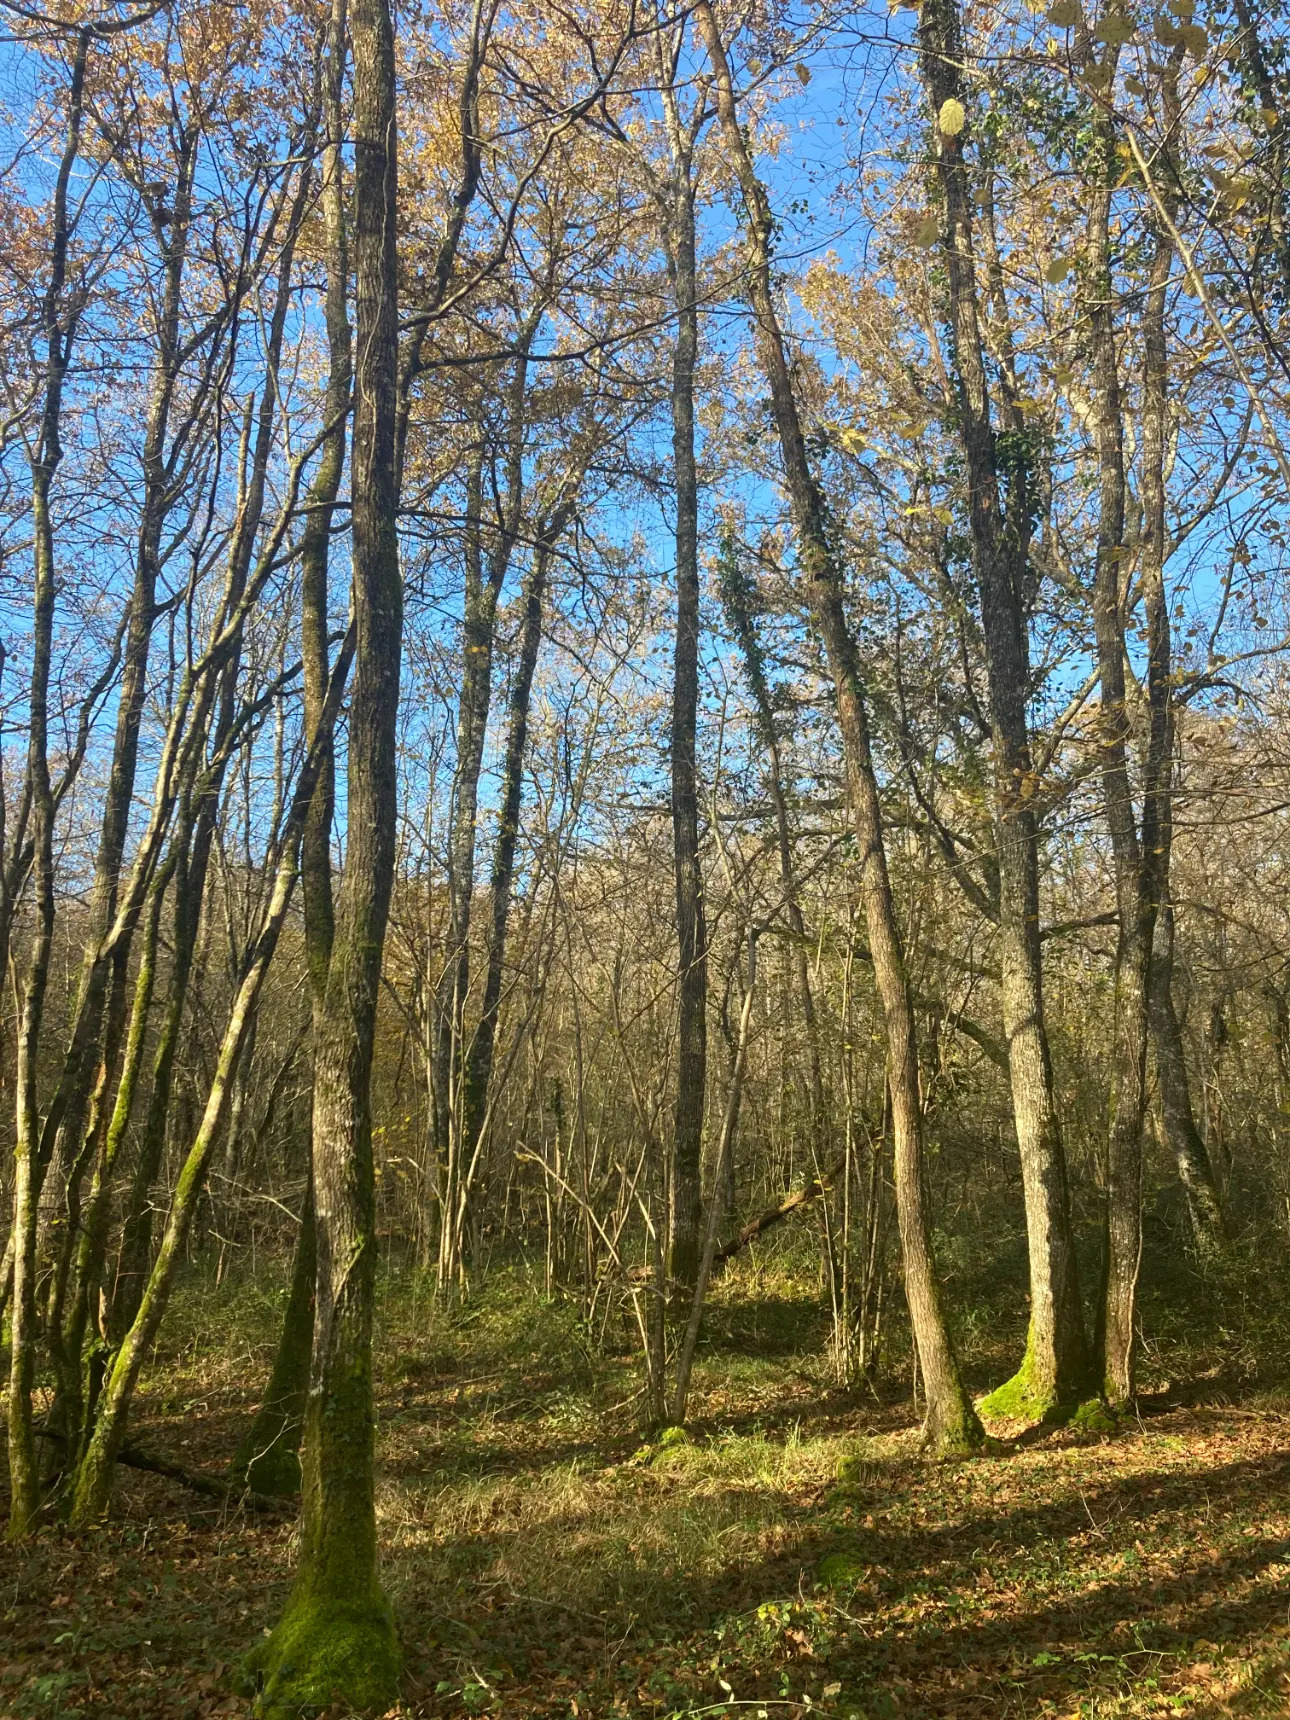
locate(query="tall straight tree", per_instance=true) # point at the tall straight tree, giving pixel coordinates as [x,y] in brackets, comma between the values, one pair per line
[951,1422]
[1055,1368]
[691,928]
[336,1641]
[268,1456]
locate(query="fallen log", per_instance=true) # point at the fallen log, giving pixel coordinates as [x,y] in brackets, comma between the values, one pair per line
[210,1486]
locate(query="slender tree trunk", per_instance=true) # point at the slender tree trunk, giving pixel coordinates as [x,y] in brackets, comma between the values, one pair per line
[479,1060]
[336,1637]
[1055,1369]
[58,330]
[1183,1138]
[62,1131]
[737,599]
[93,1485]
[691,931]
[1135,898]
[951,1422]
[268,1458]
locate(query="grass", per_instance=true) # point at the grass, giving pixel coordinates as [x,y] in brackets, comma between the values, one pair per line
[793,1555]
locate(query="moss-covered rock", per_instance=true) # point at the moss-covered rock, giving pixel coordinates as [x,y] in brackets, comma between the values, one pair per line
[325,1652]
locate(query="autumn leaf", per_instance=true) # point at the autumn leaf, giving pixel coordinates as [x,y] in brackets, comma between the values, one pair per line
[952,117]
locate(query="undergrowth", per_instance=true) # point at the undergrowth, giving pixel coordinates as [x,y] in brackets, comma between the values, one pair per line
[793,1554]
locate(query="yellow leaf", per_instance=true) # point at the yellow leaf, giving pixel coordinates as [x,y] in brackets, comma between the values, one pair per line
[1195,39]
[1115,29]
[1064,13]
[952,117]
[928,231]
[1057,270]
[803,75]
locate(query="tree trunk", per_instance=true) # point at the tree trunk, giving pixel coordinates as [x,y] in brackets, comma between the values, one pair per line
[951,1422]
[691,932]
[1055,1369]
[1183,1138]
[58,332]
[479,1059]
[336,1639]
[268,1458]
[1134,895]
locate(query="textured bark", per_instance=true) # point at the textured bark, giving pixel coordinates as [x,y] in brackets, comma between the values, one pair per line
[479,1059]
[58,332]
[1178,1123]
[266,1460]
[1055,1369]
[691,930]
[336,1598]
[951,1421]
[1134,882]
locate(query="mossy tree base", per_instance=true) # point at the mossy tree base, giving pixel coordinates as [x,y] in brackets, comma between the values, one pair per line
[325,1652]
[273,1472]
[957,1434]
[1024,1401]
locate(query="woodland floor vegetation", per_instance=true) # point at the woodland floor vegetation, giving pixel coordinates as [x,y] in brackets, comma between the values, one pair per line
[794,1553]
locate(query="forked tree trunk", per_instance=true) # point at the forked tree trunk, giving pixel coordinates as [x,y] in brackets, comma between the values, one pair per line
[335,1640]
[1055,1368]
[951,1422]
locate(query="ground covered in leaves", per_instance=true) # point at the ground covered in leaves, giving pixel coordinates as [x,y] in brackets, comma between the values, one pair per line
[793,1556]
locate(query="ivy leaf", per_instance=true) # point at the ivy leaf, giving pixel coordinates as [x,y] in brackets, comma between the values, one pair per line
[952,117]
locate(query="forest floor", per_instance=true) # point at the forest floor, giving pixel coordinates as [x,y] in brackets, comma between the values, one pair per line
[543,1562]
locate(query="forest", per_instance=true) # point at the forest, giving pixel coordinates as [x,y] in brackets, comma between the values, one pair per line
[645,859]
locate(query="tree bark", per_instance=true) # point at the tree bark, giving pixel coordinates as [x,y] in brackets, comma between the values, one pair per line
[951,1423]
[336,1639]
[58,331]
[1178,1122]
[1055,1368]
[691,930]
[1134,894]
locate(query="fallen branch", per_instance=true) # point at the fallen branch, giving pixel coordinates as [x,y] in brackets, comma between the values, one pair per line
[776,1214]
[210,1486]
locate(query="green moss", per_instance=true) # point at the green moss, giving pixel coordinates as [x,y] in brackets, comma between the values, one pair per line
[671,1436]
[841,1570]
[1094,1417]
[325,1652]
[1018,1400]
[276,1471]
